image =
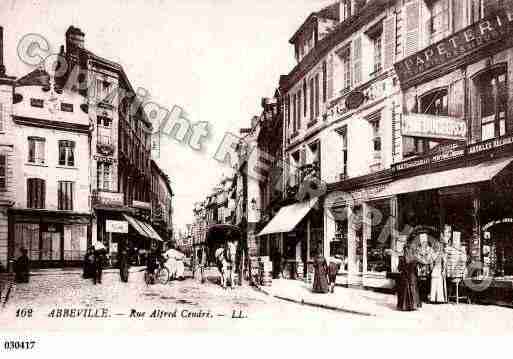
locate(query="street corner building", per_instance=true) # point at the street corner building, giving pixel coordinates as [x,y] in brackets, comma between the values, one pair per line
[400,112]
[75,163]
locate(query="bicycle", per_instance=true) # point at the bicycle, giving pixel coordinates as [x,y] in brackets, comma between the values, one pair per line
[160,275]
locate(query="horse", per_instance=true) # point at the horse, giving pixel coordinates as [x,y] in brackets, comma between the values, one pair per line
[225,259]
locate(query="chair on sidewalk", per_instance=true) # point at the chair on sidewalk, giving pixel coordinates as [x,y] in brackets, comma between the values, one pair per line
[456,282]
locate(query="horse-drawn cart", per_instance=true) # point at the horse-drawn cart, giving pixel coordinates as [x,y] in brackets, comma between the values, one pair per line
[221,246]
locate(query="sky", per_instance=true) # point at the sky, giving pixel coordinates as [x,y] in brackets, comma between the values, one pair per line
[214,58]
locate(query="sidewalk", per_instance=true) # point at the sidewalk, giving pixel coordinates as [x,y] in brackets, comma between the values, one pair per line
[75,270]
[370,304]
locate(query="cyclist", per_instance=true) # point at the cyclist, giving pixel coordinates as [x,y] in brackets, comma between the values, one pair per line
[152,261]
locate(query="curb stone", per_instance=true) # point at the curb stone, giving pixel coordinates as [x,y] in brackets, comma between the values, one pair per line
[312,304]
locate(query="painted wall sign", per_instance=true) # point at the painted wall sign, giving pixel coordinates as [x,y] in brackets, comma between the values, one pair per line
[436,127]
[463,43]
[109,198]
[116,226]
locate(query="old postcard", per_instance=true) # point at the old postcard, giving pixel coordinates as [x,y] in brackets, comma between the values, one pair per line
[309,166]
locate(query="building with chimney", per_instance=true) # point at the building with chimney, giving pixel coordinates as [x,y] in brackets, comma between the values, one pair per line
[120,148]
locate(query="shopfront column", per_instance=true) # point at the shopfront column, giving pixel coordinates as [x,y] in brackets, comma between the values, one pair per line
[394,231]
[352,260]
[475,241]
[366,233]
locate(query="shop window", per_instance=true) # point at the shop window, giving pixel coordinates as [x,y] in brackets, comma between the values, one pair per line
[65,195]
[3,171]
[26,235]
[492,101]
[36,150]
[36,193]
[104,176]
[66,153]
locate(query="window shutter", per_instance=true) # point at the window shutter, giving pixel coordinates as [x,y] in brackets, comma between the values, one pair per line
[389,38]
[412,27]
[302,154]
[357,61]
[3,165]
[1,117]
[330,76]
[456,98]
[459,11]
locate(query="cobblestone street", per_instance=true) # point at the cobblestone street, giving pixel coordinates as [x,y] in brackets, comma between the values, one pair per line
[190,299]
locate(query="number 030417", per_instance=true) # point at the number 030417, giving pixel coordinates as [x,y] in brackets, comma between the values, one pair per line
[19,344]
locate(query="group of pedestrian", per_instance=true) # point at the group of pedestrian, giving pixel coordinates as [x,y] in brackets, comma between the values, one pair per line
[423,271]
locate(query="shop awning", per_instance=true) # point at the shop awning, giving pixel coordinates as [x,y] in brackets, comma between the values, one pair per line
[288,217]
[136,225]
[152,233]
[467,175]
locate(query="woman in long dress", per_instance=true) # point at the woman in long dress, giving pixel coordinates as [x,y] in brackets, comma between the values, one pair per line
[438,284]
[408,298]
[320,283]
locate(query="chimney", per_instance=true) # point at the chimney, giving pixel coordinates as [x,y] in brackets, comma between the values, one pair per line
[74,38]
[2,67]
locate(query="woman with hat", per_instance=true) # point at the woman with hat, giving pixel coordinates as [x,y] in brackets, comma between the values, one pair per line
[408,298]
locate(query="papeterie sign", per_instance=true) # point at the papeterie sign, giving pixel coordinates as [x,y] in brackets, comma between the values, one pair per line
[435,127]
[463,43]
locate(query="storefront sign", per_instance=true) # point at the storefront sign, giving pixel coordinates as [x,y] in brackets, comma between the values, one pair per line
[116,226]
[490,144]
[461,44]
[104,159]
[487,226]
[451,152]
[436,127]
[109,198]
[142,205]
[364,194]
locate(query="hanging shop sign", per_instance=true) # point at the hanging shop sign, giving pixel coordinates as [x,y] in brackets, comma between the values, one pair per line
[456,47]
[141,205]
[116,226]
[104,159]
[434,127]
[109,198]
[354,100]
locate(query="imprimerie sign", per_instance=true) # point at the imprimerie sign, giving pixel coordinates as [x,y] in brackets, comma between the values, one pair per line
[455,47]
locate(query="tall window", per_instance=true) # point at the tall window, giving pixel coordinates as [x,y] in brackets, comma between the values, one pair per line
[376,41]
[346,9]
[493,99]
[294,113]
[439,22]
[316,95]
[345,61]
[104,130]
[3,170]
[66,153]
[343,137]
[324,81]
[104,176]
[305,102]
[376,138]
[312,99]
[36,150]
[299,101]
[36,193]
[65,195]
